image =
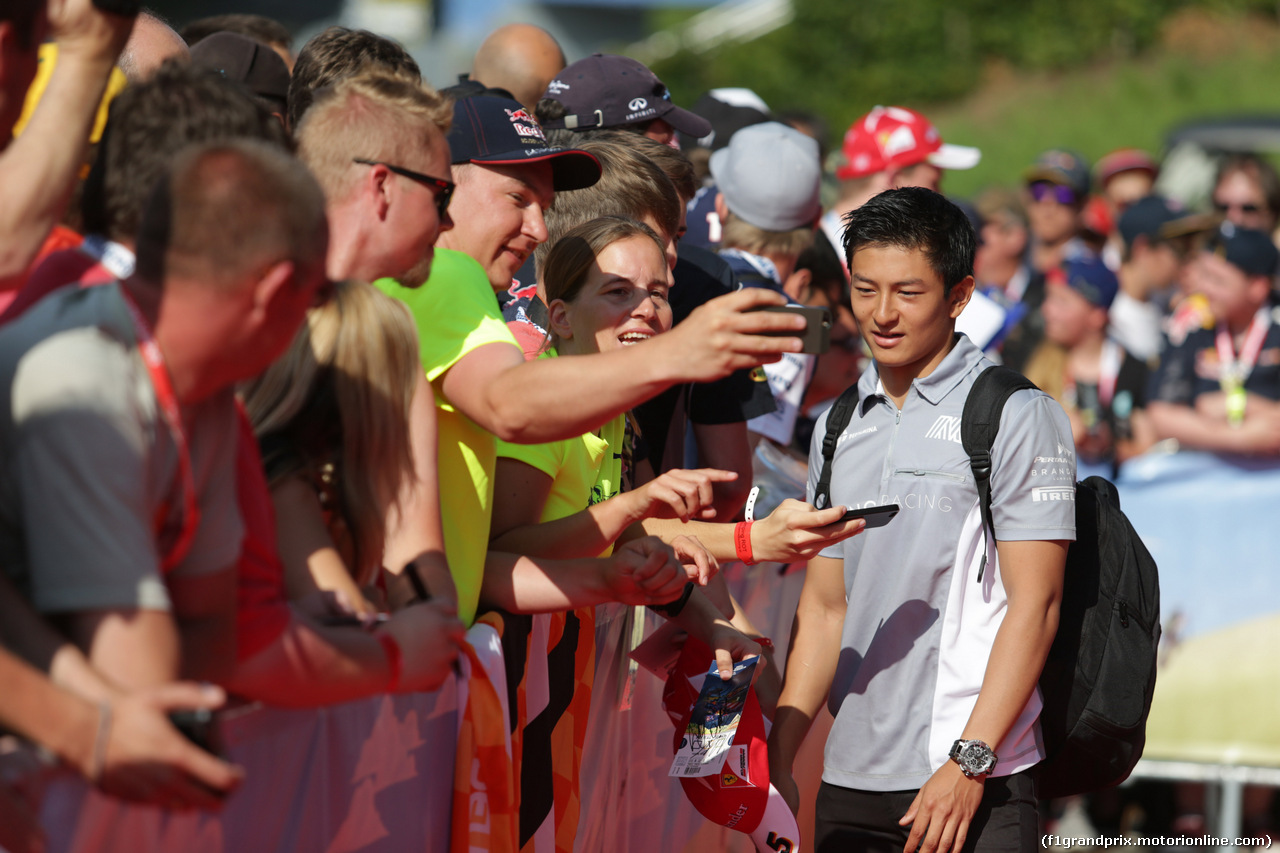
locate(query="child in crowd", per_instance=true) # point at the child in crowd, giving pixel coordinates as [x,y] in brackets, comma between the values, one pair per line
[1099,383]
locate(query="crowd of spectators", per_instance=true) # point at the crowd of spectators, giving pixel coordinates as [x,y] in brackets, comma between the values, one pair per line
[309,365]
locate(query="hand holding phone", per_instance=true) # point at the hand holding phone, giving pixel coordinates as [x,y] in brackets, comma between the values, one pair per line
[817,329]
[876,516]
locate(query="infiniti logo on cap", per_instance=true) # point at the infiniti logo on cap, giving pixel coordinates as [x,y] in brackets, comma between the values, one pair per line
[637,104]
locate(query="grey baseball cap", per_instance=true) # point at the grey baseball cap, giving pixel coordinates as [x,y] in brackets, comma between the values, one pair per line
[770,176]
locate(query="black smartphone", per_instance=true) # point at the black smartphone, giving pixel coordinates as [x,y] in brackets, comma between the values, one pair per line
[198,726]
[876,516]
[817,328]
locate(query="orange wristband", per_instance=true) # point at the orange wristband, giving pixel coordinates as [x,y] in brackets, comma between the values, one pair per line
[742,541]
[394,662]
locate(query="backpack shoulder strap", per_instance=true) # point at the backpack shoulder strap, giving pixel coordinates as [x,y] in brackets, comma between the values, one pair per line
[979,424]
[838,417]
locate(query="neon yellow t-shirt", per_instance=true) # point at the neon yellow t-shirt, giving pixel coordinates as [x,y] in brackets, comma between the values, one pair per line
[456,312]
[584,470]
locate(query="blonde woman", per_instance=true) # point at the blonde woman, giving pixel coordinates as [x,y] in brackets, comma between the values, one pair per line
[346,423]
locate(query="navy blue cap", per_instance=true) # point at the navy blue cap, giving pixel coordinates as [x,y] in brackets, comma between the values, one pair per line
[1061,167]
[492,131]
[1249,251]
[1088,276]
[1147,217]
[606,90]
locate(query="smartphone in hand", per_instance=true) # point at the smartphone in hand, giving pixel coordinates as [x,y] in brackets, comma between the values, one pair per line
[817,329]
[876,516]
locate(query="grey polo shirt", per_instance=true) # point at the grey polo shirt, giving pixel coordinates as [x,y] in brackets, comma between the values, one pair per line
[919,625]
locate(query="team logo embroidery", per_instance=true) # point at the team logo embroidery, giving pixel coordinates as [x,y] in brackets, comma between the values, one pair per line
[555,87]
[899,140]
[1053,493]
[637,104]
[945,428]
[727,779]
[525,125]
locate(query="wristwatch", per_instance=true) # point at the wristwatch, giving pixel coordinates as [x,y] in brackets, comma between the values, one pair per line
[974,757]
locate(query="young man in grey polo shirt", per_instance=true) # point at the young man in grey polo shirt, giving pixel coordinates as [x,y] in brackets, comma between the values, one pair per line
[930,662]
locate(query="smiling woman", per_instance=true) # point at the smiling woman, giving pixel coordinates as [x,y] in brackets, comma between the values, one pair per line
[607,286]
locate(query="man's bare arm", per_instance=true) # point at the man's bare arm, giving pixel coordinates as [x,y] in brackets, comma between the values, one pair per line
[1032,576]
[40,168]
[1195,430]
[528,402]
[811,666]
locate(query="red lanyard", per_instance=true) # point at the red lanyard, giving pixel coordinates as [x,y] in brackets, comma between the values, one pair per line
[168,402]
[1235,370]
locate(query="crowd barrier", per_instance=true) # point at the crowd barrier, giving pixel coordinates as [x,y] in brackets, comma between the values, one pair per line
[377,775]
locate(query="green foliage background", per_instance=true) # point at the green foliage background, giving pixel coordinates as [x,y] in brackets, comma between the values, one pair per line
[1091,74]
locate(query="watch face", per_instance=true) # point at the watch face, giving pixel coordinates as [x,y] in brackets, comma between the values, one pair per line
[975,758]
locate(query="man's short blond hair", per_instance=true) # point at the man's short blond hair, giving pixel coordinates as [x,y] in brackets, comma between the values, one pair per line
[737,233]
[373,116]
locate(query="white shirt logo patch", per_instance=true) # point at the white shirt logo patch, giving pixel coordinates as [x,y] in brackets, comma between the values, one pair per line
[1053,493]
[945,428]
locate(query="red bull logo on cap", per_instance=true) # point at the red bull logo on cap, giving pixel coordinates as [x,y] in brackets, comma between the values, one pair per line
[525,125]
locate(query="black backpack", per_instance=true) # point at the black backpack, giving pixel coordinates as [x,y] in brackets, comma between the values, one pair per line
[1101,670]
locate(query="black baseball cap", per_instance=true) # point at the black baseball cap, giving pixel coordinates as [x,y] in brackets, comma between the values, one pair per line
[1147,217]
[605,90]
[256,66]
[500,132]
[725,120]
[1249,251]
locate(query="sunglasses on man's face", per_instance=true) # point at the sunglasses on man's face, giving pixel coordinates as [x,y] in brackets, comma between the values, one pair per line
[444,189]
[1223,207]
[1041,190]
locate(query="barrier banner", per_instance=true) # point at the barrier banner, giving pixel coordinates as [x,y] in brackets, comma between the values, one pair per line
[363,776]
[485,805]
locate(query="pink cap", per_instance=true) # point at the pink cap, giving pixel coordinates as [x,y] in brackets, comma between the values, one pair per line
[896,137]
[1125,160]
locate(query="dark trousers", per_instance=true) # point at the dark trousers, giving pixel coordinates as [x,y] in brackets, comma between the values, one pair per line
[1007,820]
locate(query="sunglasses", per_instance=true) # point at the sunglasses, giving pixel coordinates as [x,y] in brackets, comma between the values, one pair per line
[444,189]
[1041,190]
[1243,208]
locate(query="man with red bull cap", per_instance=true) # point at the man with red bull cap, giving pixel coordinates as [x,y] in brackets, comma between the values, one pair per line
[891,147]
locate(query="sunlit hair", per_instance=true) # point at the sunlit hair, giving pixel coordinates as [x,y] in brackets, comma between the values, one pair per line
[338,53]
[630,185]
[376,116]
[335,409]
[738,233]
[574,255]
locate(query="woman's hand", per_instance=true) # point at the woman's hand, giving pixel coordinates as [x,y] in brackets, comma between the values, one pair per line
[430,636]
[685,494]
[730,645]
[796,532]
[644,571]
[699,565]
